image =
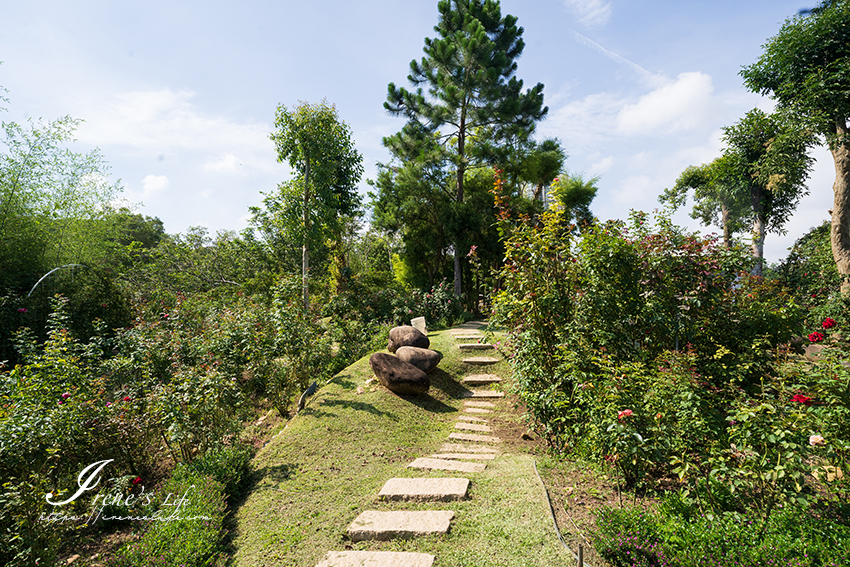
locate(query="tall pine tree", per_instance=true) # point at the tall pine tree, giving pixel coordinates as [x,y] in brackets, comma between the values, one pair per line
[474,108]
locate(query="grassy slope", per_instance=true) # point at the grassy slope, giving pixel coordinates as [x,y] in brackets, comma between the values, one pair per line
[332,459]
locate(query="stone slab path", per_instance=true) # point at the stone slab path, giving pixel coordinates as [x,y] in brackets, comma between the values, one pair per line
[467,448]
[446,465]
[480,427]
[376,559]
[480,360]
[481,379]
[383,526]
[475,346]
[483,394]
[425,489]
[453,457]
[479,405]
[461,456]
[474,437]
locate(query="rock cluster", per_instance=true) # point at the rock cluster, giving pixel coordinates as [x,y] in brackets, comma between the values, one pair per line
[405,373]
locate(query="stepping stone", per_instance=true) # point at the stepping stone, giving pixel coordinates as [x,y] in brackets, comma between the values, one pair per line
[478,410]
[475,346]
[483,394]
[474,427]
[471,418]
[376,559]
[452,456]
[474,437]
[384,526]
[479,405]
[463,448]
[480,379]
[425,489]
[481,360]
[446,465]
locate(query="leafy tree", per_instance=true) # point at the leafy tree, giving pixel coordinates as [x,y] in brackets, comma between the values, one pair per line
[573,194]
[542,164]
[806,69]
[472,95]
[714,197]
[52,200]
[759,179]
[318,146]
[767,156]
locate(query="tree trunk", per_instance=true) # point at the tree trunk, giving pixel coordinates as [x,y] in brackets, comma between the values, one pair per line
[461,169]
[727,232]
[840,226]
[305,247]
[758,244]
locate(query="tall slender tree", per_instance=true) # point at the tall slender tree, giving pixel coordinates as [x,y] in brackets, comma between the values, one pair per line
[472,95]
[806,69]
[318,146]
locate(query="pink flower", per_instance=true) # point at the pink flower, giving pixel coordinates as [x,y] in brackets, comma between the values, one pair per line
[66,395]
[22,309]
[828,323]
[816,337]
[624,413]
[815,440]
[108,404]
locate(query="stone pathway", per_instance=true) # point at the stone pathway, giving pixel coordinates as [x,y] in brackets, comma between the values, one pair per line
[453,457]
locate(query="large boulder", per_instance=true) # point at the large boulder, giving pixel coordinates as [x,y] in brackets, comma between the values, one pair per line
[407,336]
[424,359]
[397,375]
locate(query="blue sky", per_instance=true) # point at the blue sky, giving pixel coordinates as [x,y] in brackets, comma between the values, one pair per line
[180,96]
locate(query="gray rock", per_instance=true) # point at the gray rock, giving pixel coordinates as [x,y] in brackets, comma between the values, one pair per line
[407,336]
[424,359]
[397,375]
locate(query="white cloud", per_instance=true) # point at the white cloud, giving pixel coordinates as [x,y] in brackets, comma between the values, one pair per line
[590,13]
[684,104]
[154,184]
[166,123]
[601,166]
[223,163]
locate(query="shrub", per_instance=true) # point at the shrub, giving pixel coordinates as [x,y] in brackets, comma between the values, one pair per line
[187,535]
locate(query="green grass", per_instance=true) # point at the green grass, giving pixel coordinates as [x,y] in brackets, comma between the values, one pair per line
[331,460]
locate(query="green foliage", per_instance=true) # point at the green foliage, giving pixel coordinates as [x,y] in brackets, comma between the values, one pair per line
[804,68]
[474,113]
[665,537]
[190,534]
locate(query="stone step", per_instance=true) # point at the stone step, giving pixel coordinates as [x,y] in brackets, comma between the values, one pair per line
[384,526]
[468,338]
[446,465]
[376,559]
[475,404]
[483,394]
[481,428]
[466,448]
[471,418]
[477,410]
[457,456]
[481,379]
[425,489]
[481,360]
[474,437]
[475,346]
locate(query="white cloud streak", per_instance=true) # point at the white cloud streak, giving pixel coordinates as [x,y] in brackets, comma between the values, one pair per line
[651,79]
[590,13]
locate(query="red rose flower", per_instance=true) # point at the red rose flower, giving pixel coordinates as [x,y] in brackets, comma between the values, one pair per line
[137,480]
[828,323]
[126,398]
[624,413]
[805,400]
[816,337]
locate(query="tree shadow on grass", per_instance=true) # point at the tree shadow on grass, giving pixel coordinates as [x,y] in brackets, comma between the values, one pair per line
[445,382]
[350,404]
[428,403]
